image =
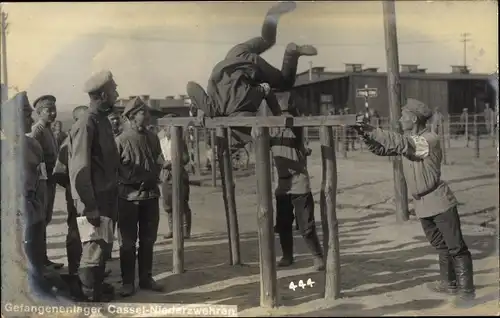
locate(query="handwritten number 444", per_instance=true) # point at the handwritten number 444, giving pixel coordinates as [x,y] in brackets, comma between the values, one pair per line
[301,284]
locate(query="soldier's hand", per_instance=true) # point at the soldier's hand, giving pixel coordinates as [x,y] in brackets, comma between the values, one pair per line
[167,165]
[95,221]
[266,88]
[308,151]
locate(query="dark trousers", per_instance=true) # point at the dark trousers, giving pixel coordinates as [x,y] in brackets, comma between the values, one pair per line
[166,189]
[73,242]
[137,220]
[49,209]
[33,241]
[444,233]
[303,206]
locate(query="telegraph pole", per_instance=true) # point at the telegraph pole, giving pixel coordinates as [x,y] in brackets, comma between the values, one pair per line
[4,25]
[465,39]
[394,87]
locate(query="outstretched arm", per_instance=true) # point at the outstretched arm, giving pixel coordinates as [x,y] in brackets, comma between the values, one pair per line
[389,143]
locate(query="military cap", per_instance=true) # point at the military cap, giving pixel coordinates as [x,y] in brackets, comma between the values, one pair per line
[97,81]
[133,106]
[421,110]
[44,101]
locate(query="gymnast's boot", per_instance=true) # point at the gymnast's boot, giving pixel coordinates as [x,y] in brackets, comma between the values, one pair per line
[465,278]
[447,283]
[301,50]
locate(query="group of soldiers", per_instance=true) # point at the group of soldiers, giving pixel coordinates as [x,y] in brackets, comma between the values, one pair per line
[105,166]
[105,170]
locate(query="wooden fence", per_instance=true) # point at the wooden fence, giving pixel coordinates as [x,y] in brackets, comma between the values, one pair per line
[261,134]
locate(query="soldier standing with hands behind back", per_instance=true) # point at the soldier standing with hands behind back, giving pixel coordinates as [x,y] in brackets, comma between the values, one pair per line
[141,163]
[45,107]
[93,162]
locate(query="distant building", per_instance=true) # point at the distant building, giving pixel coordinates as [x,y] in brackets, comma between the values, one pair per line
[449,93]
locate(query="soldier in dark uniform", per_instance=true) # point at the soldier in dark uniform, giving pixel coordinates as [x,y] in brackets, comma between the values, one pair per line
[61,173]
[93,168]
[116,123]
[59,134]
[166,187]
[243,80]
[435,203]
[73,242]
[141,164]
[45,107]
[293,191]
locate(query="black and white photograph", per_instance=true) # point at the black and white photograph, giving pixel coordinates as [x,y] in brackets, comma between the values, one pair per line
[249,158]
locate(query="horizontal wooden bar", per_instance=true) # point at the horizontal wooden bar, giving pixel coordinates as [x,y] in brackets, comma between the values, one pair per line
[271,121]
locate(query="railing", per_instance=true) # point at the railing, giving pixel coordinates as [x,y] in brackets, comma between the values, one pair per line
[261,134]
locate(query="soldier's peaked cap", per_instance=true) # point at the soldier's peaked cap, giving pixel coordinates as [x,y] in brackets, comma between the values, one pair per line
[98,81]
[418,108]
[44,101]
[133,106]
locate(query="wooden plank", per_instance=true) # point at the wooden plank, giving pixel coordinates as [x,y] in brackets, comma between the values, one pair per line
[177,202]
[259,121]
[328,201]
[226,173]
[267,262]
[213,139]
[394,94]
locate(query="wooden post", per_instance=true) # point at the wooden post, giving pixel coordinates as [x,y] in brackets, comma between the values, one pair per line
[394,87]
[337,138]
[476,135]
[442,139]
[226,173]
[177,201]
[466,133]
[265,221]
[345,144]
[213,139]
[448,131]
[331,244]
[197,151]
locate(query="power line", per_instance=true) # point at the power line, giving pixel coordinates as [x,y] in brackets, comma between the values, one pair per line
[148,38]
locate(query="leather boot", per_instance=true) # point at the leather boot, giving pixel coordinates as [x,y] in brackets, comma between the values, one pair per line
[465,276]
[74,254]
[169,234]
[127,266]
[302,50]
[447,283]
[145,259]
[312,242]
[286,242]
[187,224]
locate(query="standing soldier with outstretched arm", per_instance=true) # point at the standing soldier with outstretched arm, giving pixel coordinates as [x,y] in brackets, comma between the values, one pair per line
[435,203]
[45,107]
[93,171]
[138,194]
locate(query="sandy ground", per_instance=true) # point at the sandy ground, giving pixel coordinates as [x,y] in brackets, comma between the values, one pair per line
[385,264]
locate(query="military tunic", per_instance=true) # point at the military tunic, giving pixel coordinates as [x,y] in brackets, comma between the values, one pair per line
[421,167]
[140,158]
[93,162]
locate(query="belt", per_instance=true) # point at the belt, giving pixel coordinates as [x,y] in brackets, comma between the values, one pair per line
[426,192]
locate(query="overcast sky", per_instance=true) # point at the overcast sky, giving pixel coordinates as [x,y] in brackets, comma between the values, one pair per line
[156,48]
